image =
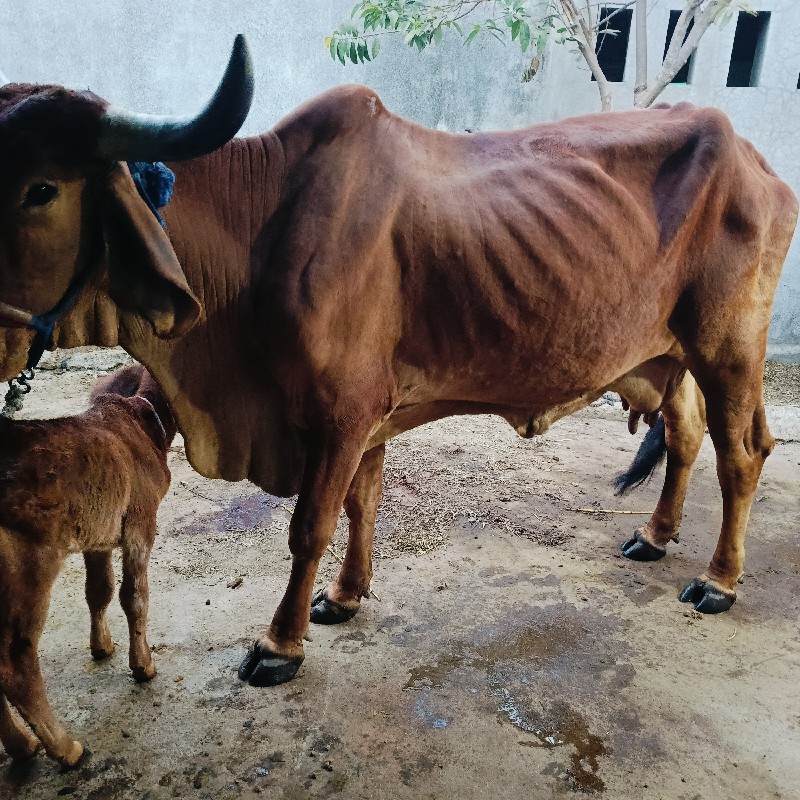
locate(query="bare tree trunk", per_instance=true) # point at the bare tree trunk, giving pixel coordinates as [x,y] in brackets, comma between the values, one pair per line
[603,86]
[640,87]
[584,35]
[680,50]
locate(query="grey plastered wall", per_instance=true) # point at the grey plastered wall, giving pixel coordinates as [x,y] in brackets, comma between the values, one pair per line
[166,57]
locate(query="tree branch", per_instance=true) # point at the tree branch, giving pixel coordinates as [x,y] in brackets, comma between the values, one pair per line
[640,87]
[585,42]
[679,50]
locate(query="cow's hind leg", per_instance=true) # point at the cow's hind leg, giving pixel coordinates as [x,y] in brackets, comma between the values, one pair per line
[331,464]
[100,582]
[683,423]
[340,599]
[738,427]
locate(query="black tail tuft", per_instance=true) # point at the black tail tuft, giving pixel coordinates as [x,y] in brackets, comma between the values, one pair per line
[650,454]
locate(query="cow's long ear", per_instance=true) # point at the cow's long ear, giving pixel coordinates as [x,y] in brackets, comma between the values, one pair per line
[145,276]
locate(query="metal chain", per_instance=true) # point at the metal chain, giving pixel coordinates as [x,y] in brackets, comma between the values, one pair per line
[17,389]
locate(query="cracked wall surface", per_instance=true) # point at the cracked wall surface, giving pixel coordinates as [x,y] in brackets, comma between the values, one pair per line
[166,58]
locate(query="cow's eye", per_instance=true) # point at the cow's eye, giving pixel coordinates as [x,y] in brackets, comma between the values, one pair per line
[39,194]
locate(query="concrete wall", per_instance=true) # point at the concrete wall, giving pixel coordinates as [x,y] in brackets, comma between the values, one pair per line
[166,57]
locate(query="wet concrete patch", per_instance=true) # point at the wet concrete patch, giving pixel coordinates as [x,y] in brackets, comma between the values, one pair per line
[537,669]
[642,593]
[561,725]
[239,514]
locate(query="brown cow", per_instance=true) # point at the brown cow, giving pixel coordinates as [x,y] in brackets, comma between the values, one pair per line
[362,275]
[87,483]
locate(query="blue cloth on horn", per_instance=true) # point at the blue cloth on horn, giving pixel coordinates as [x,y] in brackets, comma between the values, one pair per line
[155,182]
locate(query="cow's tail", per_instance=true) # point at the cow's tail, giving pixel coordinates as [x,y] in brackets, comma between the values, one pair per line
[650,454]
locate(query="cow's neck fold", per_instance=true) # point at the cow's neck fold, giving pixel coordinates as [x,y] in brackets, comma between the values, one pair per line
[218,222]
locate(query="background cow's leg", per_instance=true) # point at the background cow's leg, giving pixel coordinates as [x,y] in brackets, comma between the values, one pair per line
[340,599]
[738,427]
[685,423]
[17,740]
[134,593]
[100,584]
[332,461]
[23,620]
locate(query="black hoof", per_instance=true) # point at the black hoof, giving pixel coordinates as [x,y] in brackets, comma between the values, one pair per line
[326,612]
[707,598]
[265,669]
[641,550]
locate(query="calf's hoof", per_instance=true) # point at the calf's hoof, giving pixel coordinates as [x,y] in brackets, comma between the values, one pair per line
[25,748]
[75,756]
[707,596]
[262,668]
[100,652]
[100,642]
[145,673]
[326,612]
[637,548]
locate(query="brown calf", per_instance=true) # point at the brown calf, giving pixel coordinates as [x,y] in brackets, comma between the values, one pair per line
[87,483]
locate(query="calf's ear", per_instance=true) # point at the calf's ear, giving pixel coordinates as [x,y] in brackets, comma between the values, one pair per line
[145,276]
[147,418]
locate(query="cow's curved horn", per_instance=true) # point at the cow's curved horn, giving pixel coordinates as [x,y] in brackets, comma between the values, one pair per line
[143,137]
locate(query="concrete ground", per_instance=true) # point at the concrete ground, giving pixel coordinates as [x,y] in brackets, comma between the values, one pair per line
[512,653]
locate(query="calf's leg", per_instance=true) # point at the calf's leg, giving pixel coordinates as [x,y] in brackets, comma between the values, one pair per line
[17,740]
[332,460]
[100,583]
[20,629]
[134,593]
[340,599]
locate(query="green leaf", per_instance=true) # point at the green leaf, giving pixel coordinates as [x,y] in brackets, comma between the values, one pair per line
[353,53]
[472,34]
[341,51]
[515,27]
[541,41]
[437,34]
[376,46]
[524,36]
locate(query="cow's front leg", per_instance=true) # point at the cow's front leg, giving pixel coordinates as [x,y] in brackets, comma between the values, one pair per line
[340,599]
[278,653]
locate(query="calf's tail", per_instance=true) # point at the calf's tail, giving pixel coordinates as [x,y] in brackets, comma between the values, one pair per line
[650,454]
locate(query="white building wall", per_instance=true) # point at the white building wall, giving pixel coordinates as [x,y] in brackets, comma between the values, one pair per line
[166,57]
